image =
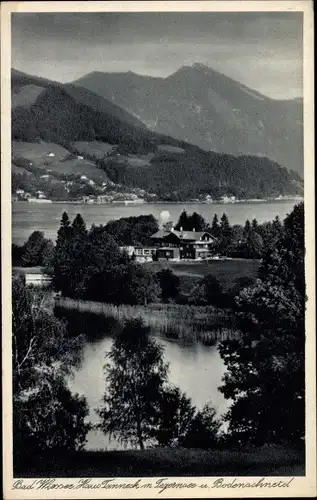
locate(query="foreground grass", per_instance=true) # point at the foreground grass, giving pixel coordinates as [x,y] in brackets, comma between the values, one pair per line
[157,462]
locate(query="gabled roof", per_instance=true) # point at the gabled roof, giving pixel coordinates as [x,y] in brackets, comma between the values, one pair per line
[190,235]
[161,233]
[181,235]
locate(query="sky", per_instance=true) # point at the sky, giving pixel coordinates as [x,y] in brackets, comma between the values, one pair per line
[260,50]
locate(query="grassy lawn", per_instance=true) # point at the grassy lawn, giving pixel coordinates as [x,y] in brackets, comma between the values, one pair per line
[226,271]
[166,462]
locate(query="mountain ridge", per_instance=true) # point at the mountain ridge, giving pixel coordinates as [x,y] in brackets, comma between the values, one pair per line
[174,169]
[200,105]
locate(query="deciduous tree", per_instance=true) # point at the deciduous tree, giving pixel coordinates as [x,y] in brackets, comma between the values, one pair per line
[135,374]
[203,430]
[33,249]
[176,414]
[45,413]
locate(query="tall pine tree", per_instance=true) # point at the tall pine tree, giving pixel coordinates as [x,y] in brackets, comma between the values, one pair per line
[63,256]
[215,228]
[225,234]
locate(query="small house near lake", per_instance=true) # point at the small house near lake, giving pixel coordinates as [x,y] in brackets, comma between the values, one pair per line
[32,276]
[181,244]
[170,244]
[37,279]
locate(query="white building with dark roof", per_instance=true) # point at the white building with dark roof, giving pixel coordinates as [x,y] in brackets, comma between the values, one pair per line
[181,244]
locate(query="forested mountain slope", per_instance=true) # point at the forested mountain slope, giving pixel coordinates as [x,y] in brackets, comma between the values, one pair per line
[174,169]
[202,106]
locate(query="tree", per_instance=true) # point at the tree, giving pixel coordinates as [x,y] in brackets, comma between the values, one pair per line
[247,229]
[39,339]
[266,365]
[203,430]
[51,417]
[183,222]
[17,254]
[135,375]
[97,267]
[198,223]
[176,414]
[285,265]
[63,256]
[213,290]
[191,222]
[137,285]
[207,292]
[132,230]
[215,227]
[225,234]
[79,228]
[48,257]
[254,225]
[197,295]
[33,249]
[89,265]
[169,284]
[79,258]
[271,233]
[253,246]
[277,227]
[240,283]
[45,413]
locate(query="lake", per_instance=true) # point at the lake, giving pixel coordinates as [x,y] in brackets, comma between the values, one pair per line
[195,369]
[28,217]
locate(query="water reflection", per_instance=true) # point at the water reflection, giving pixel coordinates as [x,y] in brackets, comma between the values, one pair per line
[195,368]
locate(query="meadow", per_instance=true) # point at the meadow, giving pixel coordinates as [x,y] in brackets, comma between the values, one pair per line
[226,271]
[94,148]
[60,163]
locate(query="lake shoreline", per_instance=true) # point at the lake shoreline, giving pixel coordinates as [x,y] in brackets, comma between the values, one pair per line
[29,217]
[162,202]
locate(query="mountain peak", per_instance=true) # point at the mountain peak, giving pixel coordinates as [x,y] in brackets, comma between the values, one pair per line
[197,68]
[200,66]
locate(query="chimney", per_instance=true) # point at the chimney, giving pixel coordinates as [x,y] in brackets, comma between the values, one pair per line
[181,229]
[193,230]
[172,229]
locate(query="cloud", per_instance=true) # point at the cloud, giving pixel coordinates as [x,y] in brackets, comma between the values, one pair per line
[65,46]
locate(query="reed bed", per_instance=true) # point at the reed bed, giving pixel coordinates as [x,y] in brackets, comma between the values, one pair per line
[206,324]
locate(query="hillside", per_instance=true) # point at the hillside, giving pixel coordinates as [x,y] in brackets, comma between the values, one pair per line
[26,89]
[206,108]
[113,148]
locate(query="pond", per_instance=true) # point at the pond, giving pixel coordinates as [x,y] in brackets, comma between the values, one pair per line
[196,369]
